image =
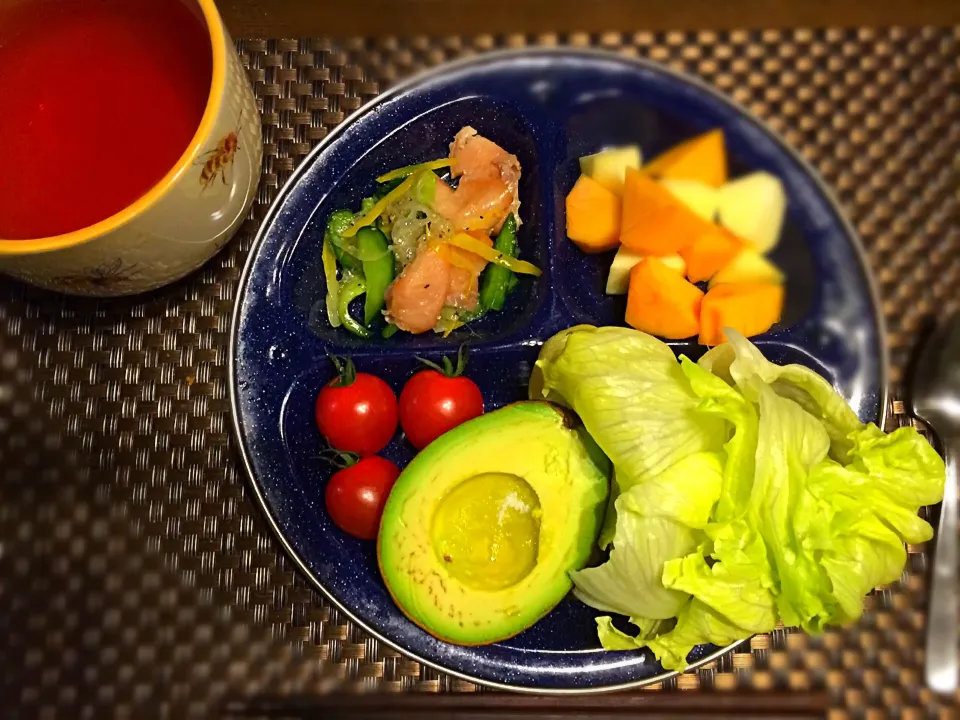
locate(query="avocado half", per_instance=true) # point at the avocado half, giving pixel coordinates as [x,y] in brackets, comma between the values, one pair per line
[483,527]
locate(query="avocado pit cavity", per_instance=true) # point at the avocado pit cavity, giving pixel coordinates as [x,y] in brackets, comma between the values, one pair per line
[486,531]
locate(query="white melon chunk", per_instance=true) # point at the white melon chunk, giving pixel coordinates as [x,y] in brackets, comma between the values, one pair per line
[748,266]
[703,199]
[610,166]
[619,278]
[753,207]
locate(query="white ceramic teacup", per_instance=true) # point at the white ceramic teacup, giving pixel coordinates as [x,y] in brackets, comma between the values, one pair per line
[184,219]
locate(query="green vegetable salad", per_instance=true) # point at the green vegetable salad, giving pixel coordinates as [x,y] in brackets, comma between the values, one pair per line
[428,254]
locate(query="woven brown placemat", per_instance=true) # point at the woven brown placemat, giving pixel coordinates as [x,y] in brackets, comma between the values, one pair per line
[136,577]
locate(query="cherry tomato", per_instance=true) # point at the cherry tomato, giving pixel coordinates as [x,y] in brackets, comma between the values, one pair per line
[437,400]
[356,412]
[355,495]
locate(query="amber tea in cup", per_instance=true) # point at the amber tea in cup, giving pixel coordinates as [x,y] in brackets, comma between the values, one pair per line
[127,121]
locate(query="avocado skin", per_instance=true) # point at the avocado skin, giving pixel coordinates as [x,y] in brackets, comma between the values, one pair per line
[539,442]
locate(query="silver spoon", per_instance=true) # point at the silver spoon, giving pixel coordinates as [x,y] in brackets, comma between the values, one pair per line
[936,400]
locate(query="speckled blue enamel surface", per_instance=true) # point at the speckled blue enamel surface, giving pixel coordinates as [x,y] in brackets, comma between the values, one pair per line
[548,109]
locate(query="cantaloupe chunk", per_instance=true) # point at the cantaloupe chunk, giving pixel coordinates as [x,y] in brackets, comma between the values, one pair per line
[754,207]
[623,262]
[703,199]
[661,302]
[593,216]
[609,167]
[749,308]
[655,222]
[702,158]
[709,253]
[711,332]
[748,266]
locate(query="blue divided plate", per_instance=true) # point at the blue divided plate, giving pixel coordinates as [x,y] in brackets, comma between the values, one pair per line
[548,107]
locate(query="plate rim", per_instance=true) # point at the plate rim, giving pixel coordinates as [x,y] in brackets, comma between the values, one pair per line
[401,88]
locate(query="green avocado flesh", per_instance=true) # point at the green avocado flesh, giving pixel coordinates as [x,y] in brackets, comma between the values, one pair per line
[482,528]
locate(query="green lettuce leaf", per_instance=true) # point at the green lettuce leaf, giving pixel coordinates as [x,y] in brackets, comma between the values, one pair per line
[633,399]
[746,494]
[696,624]
[901,465]
[874,503]
[857,552]
[740,363]
[790,442]
[738,581]
[613,639]
[657,521]
[632,396]
[720,400]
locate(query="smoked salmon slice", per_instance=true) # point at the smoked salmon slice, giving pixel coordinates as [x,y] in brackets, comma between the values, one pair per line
[441,275]
[489,182]
[415,299]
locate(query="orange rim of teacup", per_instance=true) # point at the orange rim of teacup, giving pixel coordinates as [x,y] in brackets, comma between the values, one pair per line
[218,44]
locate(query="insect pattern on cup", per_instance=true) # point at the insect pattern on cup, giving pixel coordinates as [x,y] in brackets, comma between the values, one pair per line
[215,161]
[102,277]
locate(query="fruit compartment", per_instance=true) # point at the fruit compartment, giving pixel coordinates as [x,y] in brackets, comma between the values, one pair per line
[427,138]
[596,123]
